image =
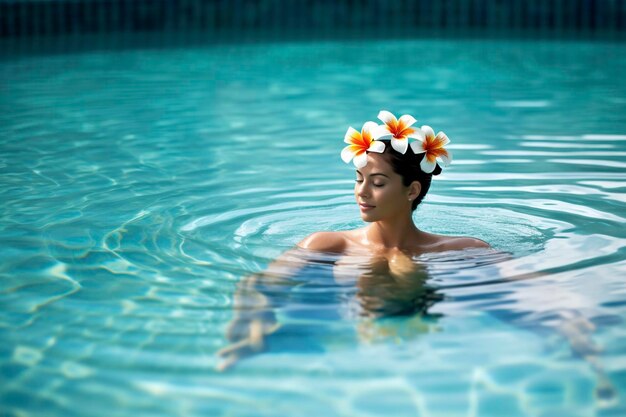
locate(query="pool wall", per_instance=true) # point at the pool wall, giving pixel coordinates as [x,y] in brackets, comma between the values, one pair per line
[543,18]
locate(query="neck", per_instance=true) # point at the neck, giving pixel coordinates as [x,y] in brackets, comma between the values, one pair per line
[396,233]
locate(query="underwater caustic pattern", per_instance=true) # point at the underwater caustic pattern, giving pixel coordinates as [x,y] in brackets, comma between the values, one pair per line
[144,190]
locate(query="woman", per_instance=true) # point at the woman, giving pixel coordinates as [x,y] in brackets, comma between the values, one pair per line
[391,181]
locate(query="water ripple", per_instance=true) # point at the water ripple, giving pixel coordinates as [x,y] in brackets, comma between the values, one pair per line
[141,189]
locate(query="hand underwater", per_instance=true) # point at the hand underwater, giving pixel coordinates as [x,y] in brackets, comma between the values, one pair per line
[246,332]
[254,319]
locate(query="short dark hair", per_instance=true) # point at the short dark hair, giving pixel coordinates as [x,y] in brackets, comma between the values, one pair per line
[407,165]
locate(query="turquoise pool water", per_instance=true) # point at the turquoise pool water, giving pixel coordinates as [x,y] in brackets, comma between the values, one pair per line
[139,187]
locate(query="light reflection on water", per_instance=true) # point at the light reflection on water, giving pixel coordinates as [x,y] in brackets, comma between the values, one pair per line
[140,187]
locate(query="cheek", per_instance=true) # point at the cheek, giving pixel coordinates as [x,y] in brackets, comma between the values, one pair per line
[388,194]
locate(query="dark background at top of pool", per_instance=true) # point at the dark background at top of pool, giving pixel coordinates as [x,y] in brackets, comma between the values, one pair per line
[64,25]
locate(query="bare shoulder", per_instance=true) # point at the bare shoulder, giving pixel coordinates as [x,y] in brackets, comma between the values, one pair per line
[460,243]
[325,242]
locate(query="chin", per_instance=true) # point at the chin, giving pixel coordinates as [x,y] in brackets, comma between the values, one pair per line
[368,218]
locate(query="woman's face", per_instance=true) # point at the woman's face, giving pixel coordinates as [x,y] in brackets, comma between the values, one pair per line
[379,191]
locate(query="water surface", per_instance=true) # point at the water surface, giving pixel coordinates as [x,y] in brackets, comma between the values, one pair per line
[139,187]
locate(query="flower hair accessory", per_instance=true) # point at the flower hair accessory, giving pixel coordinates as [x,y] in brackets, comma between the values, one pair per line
[433,149]
[360,143]
[398,131]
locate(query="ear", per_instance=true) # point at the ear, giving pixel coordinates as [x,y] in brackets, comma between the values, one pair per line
[414,190]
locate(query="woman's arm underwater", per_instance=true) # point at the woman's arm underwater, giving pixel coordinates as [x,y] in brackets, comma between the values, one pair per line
[254,304]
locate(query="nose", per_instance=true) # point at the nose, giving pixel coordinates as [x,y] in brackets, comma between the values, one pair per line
[362,190]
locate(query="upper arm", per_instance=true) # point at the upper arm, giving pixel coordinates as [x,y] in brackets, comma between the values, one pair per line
[461,243]
[333,242]
[472,242]
[289,262]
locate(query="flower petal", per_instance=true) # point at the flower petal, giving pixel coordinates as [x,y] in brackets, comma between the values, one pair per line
[360,160]
[407,120]
[370,127]
[347,154]
[446,157]
[400,145]
[417,148]
[429,133]
[381,132]
[442,139]
[377,146]
[352,136]
[417,134]
[386,117]
[427,166]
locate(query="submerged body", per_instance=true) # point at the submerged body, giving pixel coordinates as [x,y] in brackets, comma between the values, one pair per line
[377,259]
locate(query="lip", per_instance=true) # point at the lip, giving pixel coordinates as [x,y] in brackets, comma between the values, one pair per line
[365,207]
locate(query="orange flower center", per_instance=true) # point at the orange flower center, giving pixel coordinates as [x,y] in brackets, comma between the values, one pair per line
[361,143]
[433,149]
[399,130]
